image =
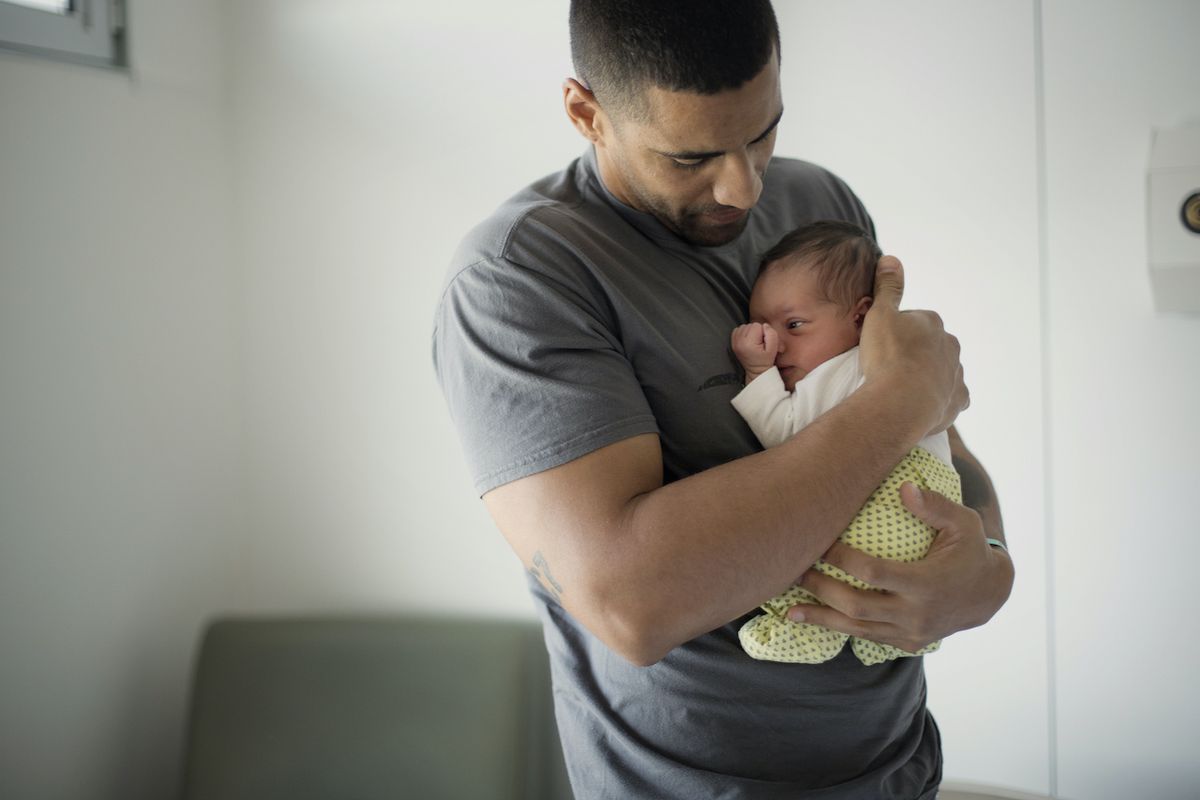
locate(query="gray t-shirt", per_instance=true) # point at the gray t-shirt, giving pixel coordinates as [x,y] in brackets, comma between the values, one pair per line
[570,321]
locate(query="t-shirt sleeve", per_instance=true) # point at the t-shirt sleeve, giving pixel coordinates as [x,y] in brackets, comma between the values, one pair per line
[533,371]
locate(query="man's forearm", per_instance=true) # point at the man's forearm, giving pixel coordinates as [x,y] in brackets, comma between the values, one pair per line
[977,489]
[735,535]
[647,567]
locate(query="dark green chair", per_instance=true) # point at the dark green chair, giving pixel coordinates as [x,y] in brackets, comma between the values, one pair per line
[371,708]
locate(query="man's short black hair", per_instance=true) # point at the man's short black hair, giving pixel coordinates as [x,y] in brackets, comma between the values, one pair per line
[620,47]
[841,254]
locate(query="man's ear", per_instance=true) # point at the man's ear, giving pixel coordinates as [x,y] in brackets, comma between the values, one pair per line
[583,111]
[861,308]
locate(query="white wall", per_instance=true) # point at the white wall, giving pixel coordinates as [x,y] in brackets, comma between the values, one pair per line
[216,391]
[120,485]
[368,137]
[1125,392]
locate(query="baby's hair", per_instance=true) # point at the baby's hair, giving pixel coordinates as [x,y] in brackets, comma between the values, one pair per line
[842,255]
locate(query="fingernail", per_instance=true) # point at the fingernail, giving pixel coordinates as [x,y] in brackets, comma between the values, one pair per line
[796,615]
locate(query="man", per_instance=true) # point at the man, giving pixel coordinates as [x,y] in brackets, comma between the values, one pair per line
[582,344]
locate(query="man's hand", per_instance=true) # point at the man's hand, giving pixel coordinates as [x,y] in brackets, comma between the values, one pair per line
[755,344]
[913,351]
[959,584]
[623,547]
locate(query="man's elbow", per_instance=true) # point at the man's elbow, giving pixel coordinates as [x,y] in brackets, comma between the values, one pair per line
[638,648]
[628,630]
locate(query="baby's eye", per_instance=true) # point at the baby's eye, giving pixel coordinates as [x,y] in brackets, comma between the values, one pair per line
[794,324]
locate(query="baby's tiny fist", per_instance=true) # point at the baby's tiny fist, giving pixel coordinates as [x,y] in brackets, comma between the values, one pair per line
[770,341]
[755,344]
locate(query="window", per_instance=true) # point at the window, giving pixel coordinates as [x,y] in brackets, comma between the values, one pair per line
[57,6]
[83,31]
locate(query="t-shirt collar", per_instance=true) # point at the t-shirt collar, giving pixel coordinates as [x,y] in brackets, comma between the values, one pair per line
[648,224]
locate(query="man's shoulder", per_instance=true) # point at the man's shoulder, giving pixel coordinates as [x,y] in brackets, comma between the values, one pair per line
[795,191]
[797,166]
[800,175]
[543,214]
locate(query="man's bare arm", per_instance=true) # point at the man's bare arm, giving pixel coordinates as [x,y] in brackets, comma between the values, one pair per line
[977,490]
[646,567]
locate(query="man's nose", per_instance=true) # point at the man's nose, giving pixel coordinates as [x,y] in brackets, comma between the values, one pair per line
[738,183]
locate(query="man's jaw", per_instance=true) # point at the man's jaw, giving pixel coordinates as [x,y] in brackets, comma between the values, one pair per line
[725,215]
[706,229]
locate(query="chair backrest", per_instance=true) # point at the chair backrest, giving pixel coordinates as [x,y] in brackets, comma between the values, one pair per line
[365,708]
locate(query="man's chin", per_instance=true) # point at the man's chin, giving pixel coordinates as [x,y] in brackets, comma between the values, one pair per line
[714,235]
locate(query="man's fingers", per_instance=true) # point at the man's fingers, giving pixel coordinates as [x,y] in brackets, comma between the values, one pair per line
[862,605]
[876,616]
[934,509]
[889,283]
[834,620]
[878,572]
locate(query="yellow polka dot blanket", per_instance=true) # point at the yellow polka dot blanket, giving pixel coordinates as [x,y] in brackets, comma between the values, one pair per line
[883,527]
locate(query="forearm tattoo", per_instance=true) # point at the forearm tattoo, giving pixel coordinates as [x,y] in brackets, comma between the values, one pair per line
[541,571]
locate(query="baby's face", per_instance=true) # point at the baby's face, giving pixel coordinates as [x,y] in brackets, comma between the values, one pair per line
[811,330]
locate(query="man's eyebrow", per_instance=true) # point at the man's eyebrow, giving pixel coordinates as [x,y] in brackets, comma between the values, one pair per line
[689,154]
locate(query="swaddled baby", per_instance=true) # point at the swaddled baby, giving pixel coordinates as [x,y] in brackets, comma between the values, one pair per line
[800,355]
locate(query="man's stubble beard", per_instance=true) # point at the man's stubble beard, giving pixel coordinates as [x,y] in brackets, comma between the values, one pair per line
[689,227]
[714,235]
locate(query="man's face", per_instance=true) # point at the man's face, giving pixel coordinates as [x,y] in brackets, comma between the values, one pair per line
[811,329]
[695,161]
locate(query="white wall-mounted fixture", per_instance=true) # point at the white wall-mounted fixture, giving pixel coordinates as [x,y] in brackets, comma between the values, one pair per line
[1173,222]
